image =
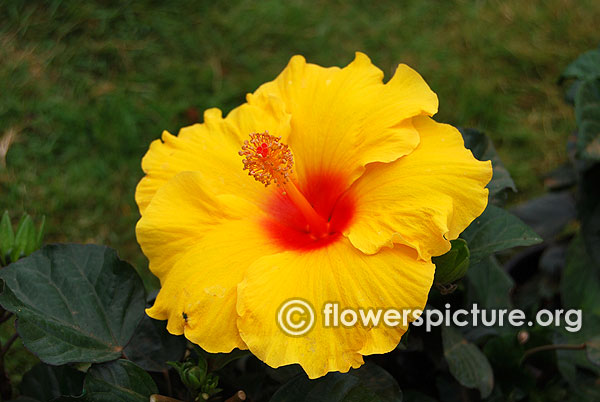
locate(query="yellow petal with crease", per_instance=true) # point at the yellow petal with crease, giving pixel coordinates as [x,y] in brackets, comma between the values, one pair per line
[343,119]
[212,150]
[423,200]
[338,273]
[199,246]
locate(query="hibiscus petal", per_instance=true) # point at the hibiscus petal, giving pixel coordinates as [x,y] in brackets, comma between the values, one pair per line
[338,273]
[343,119]
[212,149]
[199,246]
[424,199]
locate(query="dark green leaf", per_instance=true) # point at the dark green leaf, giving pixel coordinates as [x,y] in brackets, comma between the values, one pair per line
[577,369]
[589,210]
[45,382]
[489,284]
[495,230]
[453,265]
[483,149]
[580,285]
[219,360]
[120,380]
[505,355]
[7,237]
[74,303]
[580,289]
[416,396]
[587,113]
[586,66]
[370,383]
[593,350]
[561,178]
[152,346]
[548,214]
[466,362]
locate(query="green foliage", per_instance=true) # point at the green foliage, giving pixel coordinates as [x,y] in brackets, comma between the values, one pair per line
[369,383]
[586,66]
[593,350]
[74,303]
[453,265]
[197,379]
[496,230]
[483,149]
[589,210]
[580,288]
[26,240]
[152,346]
[587,113]
[119,380]
[489,285]
[45,383]
[466,362]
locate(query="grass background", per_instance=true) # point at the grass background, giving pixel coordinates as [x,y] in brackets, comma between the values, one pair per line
[86,86]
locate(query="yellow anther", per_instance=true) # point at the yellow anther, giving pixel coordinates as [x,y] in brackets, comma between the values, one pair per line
[267,159]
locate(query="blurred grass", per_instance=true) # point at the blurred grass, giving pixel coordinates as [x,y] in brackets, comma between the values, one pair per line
[87,85]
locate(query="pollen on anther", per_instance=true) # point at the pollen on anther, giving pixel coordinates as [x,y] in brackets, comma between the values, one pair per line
[267,159]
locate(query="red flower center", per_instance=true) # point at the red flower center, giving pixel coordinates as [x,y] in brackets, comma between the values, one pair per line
[290,228]
[303,218]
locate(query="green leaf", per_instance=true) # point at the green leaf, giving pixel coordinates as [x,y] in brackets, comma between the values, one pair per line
[466,362]
[580,289]
[370,383]
[561,178]
[489,285]
[40,233]
[592,348]
[587,114]
[454,264]
[589,211]
[496,230]
[580,283]
[152,345]
[23,238]
[120,380]
[219,360]
[31,243]
[416,396]
[45,382]
[74,303]
[505,354]
[586,66]
[483,149]
[548,214]
[577,369]
[7,238]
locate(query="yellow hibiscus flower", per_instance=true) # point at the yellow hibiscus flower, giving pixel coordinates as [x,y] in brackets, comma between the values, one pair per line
[352,189]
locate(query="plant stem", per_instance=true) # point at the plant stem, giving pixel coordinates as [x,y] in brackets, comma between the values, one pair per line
[162,398]
[545,348]
[8,344]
